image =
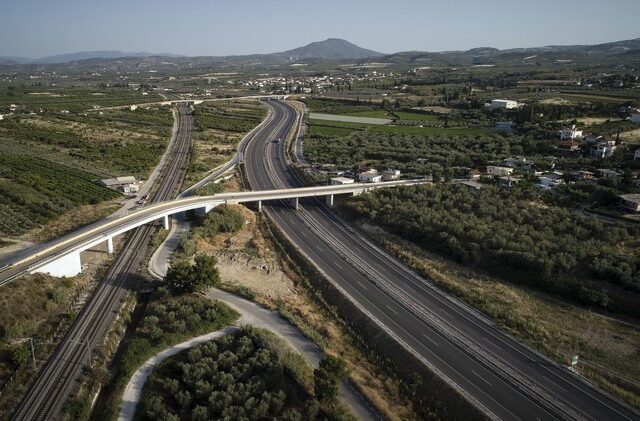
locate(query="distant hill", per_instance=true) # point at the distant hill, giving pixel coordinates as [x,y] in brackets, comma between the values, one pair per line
[80,55]
[335,49]
[551,53]
[329,49]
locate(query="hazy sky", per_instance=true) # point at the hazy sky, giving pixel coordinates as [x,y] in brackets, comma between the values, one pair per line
[34,28]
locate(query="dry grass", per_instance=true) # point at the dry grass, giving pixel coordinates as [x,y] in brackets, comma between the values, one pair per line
[557,329]
[632,136]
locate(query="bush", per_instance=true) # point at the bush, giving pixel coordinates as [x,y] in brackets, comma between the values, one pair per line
[327,378]
[183,277]
[241,376]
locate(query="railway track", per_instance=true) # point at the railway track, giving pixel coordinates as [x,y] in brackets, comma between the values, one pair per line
[58,376]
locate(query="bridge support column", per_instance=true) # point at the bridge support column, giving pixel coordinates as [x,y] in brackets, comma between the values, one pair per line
[330,200]
[259,205]
[296,204]
[69,265]
[110,245]
[165,222]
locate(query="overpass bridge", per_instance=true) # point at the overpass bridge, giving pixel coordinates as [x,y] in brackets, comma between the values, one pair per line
[62,257]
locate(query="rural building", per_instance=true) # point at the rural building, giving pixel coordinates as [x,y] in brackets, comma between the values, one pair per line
[508,181]
[635,117]
[603,149]
[630,202]
[499,171]
[636,155]
[337,181]
[473,186]
[371,176]
[550,180]
[570,134]
[568,146]
[607,173]
[1,117]
[133,107]
[126,184]
[504,104]
[390,174]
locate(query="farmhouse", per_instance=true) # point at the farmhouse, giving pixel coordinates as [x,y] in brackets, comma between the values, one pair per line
[504,104]
[126,184]
[371,176]
[337,181]
[499,171]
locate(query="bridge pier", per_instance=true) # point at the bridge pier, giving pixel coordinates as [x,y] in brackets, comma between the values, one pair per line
[110,245]
[68,265]
[165,222]
[330,200]
[296,203]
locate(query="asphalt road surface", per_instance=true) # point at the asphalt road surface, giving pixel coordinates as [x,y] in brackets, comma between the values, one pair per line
[500,375]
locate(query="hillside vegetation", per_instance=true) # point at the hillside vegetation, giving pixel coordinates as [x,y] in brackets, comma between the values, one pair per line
[515,235]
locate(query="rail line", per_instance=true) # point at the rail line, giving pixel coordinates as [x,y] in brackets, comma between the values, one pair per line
[56,379]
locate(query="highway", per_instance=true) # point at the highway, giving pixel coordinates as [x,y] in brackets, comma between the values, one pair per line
[501,376]
[58,376]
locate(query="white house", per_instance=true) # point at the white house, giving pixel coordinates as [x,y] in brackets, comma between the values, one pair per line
[499,171]
[336,181]
[390,174]
[635,117]
[505,104]
[2,118]
[371,176]
[570,134]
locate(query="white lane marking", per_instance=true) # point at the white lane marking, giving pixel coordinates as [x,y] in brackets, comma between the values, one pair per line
[395,312]
[338,264]
[429,339]
[481,378]
[556,384]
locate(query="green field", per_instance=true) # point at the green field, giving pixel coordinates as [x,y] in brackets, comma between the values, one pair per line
[371,113]
[33,191]
[334,128]
[434,131]
[411,116]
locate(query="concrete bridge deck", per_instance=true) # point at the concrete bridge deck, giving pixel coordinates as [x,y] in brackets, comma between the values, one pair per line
[62,257]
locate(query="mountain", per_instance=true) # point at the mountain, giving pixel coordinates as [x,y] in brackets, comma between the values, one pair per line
[548,54]
[80,55]
[329,49]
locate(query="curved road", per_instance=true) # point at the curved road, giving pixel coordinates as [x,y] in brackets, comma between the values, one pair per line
[500,375]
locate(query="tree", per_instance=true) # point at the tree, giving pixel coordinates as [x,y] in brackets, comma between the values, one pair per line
[182,277]
[179,277]
[20,355]
[205,272]
[327,378]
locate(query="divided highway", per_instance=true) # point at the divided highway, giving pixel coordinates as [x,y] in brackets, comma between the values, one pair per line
[57,377]
[501,376]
